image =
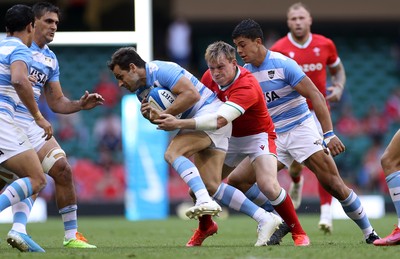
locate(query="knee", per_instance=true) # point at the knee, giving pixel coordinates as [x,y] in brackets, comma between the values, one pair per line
[38,182]
[61,172]
[389,164]
[169,156]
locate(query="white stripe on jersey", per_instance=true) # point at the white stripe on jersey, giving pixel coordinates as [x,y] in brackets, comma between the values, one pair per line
[6,50]
[4,69]
[277,76]
[11,49]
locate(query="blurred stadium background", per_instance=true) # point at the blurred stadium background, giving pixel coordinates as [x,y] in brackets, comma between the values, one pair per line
[367,36]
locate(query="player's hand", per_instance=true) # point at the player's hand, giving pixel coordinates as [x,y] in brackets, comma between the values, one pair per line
[335,93]
[166,122]
[145,109]
[334,144]
[32,79]
[46,126]
[89,101]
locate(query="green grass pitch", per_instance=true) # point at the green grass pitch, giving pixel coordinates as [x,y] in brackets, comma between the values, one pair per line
[119,238]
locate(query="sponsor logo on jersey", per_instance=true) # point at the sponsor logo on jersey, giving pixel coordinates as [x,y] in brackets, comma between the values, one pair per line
[311,67]
[271,96]
[41,77]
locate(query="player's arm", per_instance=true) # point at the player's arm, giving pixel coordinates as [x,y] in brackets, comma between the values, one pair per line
[307,89]
[186,96]
[23,87]
[338,79]
[59,103]
[226,113]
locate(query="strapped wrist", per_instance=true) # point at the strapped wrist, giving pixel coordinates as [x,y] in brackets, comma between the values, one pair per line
[328,134]
[37,116]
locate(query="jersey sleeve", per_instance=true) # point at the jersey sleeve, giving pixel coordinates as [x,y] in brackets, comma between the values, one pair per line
[54,75]
[333,58]
[293,72]
[169,74]
[22,53]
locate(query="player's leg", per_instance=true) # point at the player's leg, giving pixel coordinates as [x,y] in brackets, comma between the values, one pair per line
[244,179]
[237,200]
[209,162]
[17,236]
[27,166]
[56,165]
[391,166]
[296,186]
[325,169]
[325,198]
[295,192]
[265,167]
[17,156]
[185,145]
[325,223]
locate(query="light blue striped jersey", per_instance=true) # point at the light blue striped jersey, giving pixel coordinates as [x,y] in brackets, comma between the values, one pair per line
[46,69]
[11,49]
[278,75]
[166,74]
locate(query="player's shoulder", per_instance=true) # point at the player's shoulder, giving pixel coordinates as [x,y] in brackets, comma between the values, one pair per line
[279,43]
[277,56]
[246,78]
[321,39]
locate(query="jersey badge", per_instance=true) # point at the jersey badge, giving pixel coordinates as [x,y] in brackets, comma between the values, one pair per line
[317,51]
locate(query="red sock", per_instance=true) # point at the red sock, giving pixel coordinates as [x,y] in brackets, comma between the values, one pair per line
[324,196]
[286,210]
[205,222]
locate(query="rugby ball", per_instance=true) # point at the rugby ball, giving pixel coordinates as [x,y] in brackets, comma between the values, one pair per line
[143,92]
[160,98]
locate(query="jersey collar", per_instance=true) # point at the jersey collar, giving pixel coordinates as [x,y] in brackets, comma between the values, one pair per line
[224,87]
[300,46]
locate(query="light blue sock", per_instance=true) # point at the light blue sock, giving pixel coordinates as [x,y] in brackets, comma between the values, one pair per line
[21,211]
[189,173]
[17,191]
[354,210]
[255,195]
[393,182]
[235,199]
[70,220]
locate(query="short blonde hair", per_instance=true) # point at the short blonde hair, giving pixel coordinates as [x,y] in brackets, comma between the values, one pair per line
[296,6]
[217,49]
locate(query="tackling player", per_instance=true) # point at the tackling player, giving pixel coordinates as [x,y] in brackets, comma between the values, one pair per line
[314,53]
[208,147]
[286,88]
[253,136]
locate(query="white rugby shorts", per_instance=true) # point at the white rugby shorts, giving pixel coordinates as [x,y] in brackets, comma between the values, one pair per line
[13,141]
[33,132]
[220,137]
[299,143]
[252,146]
[317,123]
